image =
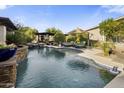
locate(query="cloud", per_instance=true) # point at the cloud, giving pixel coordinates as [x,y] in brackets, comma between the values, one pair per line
[114,8]
[3,7]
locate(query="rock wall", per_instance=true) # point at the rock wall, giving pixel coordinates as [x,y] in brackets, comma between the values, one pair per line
[8,69]
[8,73]
[21,53]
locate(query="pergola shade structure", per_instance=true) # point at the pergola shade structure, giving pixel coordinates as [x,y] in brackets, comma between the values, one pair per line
[45,36]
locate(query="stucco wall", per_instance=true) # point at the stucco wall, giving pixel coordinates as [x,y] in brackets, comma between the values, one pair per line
[2,34]
[95,34]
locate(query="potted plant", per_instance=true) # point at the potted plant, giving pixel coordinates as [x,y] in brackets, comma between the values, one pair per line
[7,51]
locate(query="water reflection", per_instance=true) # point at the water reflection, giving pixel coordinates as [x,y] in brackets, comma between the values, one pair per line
[49,52]
[21,73]
[105,75]
[69,51]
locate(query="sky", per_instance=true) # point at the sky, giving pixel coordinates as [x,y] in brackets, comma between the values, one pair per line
[63,17]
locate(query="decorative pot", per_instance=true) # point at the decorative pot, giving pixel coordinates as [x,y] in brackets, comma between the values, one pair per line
[7,53]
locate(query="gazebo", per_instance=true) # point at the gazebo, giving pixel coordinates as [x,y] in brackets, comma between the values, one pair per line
[45,37]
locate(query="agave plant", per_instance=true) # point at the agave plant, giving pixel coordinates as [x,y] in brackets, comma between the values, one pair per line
[7,46]
[106,47]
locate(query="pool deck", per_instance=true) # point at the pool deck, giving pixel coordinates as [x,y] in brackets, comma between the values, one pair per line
[101,60]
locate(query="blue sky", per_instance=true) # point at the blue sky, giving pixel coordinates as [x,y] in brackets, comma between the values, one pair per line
[63,17]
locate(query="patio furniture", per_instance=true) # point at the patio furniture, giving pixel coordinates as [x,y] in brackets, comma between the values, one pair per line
[67,44]
[81,45]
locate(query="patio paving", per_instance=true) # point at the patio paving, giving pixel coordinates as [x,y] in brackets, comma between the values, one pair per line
[105,61]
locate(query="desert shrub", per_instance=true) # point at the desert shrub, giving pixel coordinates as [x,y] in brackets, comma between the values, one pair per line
[106,47]
[22,36]
[96,44]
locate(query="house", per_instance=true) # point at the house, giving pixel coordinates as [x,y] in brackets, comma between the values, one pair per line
[6,26]
[94,33]
[76,31]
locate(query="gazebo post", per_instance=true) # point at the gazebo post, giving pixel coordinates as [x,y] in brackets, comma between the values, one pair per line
[38,38]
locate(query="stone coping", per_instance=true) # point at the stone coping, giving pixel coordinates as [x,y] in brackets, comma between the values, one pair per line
[9,62]
[23,47]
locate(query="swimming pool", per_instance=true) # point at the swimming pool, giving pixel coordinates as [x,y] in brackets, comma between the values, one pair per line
[50,68]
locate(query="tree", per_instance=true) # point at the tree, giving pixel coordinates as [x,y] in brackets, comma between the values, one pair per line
[120,32]
[22,35]
[108,28]
[53,30]
[29,33]
[78,37]
[59,37]
[83,36]
[70,38]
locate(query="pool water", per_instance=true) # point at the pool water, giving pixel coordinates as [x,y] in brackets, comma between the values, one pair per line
[50,68]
